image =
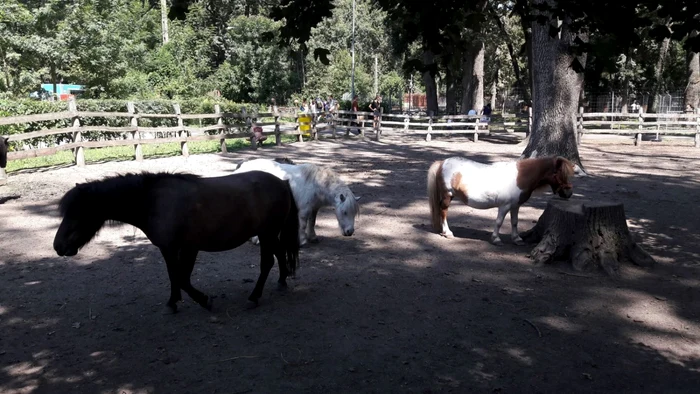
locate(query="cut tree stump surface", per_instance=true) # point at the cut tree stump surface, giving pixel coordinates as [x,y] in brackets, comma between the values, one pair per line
[589,234]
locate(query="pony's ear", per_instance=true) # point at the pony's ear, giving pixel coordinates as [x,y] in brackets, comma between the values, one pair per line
[342,198]
[560,162]
[6,140]
[357,198]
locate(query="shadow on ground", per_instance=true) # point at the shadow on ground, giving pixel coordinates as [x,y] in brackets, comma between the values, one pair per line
[395,308]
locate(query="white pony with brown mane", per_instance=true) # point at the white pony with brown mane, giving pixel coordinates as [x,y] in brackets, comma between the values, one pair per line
[506,185]
[313,188]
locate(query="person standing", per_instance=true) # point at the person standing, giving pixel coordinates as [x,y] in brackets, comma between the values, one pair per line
[355,108]
[375,107]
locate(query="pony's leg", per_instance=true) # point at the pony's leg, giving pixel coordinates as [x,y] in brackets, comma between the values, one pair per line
[171,262]
[311,227]
[267,261]
[514,226]
[502,211]
[444,206]
[282,262]
[187,259]
[303,223]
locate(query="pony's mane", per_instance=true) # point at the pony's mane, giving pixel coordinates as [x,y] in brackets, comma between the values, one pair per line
[84,194]
[567,170]
[329,179]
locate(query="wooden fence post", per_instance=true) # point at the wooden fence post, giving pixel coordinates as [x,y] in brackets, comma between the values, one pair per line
[697,128]
[278,133]
[638,137]
[529,121]
[184,150]
[220,122]
[406,122]
[135,135]
[79,152]
[379,122]
[579,126]
[476,130]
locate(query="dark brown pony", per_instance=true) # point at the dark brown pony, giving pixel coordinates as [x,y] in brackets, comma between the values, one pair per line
[182,214]
[4,146]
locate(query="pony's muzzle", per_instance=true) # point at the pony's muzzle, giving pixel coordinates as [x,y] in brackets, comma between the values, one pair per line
[348,232]
[566,193]
[64,251]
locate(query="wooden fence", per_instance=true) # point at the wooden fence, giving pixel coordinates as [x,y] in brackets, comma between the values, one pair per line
[639,124]
[134,133]
[631,124]
[405,124]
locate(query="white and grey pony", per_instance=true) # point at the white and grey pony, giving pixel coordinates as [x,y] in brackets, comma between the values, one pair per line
[313,188]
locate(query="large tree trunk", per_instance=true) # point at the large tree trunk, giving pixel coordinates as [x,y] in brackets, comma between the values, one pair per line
[429,82]
[555,95]
[450,93]
[527,33]
[588,234]
[692,91]
[659,75]
[473,78]
[494,89]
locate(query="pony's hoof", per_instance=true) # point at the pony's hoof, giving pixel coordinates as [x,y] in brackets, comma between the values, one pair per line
[251,304]
[496,241]
[313,240]
[303,245]
[282,286]
[447,234]
[519,241]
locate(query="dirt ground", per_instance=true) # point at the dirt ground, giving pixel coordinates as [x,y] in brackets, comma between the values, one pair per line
[394,309]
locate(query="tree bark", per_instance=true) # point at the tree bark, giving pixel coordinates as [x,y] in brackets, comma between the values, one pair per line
[429,81]
[590,235]
[692,91]
[527,33]
[494,89]
[473,78]
[555,95]
[450,93]
[659,74]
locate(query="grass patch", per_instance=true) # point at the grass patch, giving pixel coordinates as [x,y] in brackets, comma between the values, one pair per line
[126,153]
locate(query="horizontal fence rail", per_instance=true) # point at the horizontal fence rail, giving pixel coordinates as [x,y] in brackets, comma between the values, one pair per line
[230,125]
[639,124]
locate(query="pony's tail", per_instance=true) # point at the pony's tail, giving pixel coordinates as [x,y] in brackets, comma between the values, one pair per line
[289,237]
[435,194]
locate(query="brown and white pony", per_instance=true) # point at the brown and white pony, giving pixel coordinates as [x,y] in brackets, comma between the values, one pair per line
[506,185]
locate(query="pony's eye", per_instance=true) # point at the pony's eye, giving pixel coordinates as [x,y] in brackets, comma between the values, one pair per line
[345,213]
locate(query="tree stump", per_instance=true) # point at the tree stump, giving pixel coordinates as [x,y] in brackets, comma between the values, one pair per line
[589,234]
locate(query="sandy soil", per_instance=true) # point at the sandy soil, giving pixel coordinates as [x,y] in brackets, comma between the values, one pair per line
[395,308]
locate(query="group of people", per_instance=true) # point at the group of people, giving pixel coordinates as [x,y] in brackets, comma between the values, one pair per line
[485,113]
[318,107]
